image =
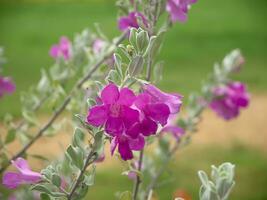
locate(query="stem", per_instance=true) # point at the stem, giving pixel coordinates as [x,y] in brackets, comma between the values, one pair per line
[62,107]
[138,179]
[79,179]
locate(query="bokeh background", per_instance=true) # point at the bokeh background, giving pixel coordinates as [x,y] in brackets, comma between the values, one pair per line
[29,27]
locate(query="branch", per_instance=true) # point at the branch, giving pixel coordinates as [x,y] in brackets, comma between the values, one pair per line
[79,179]
[62,107]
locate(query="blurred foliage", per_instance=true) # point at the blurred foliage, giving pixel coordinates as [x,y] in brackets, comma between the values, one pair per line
[214,28]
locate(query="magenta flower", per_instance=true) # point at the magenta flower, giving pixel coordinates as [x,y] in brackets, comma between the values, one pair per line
[229,99]
[115,112]
[130,21]
[175,130]
[63,49]
[6,86]
[25,175]
[126,145]
[156,107]
[178,9]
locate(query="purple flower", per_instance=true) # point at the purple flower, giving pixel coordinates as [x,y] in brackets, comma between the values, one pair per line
[156,107]
[229,99]
[175,130]
[63,49]
[115,112]
[178,9]
[25,175]
[126,145]
[130,21]
[6,86]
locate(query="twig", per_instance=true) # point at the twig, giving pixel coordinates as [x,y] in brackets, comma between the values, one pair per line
[138,179]
[62,107]
[79,179]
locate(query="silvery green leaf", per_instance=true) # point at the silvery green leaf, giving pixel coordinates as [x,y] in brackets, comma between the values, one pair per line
[89,178]
[142,40]
[204,179]
[133,37]
[136,66]
[118,64]
[46,189]
[78,137]
[113,77]
[56,180]
[76,156]
[154,45]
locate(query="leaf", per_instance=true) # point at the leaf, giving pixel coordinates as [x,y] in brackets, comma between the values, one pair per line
[56,180]
[76,156]
[136,66]
[142,40]
[10,137]
[113,77]
[133,37]
[47,190]
[44,196]
[204,179]
[78,137]
[127,195]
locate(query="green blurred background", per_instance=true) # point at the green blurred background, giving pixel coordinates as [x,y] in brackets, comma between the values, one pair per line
[28,28]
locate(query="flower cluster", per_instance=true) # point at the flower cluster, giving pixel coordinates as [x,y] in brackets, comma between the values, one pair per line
[6,86]
[63,49]
[178,9]
[229,99]
[25,175]
[128,118]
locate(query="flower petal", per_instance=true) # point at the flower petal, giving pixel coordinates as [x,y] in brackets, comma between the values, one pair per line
[159,112]
[137,144]
[148,127]
[127,97]
[124,149]
[110,94]
[11,180]
[97,115]
[134,131]
[114,126]
[129,116]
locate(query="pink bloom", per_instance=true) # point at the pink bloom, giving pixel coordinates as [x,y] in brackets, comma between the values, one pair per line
[63,49]
[178,9]
[175,130]
[118,118]
[6,86]
[156,108]
[25,175]
[229,99]
[130,21]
